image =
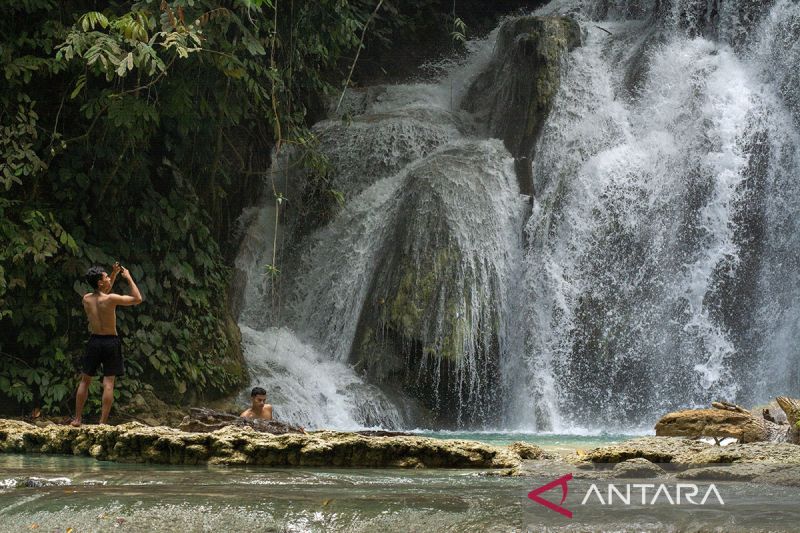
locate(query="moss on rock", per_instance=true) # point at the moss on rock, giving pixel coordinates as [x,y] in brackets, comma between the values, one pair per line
[138,443]
[515,94]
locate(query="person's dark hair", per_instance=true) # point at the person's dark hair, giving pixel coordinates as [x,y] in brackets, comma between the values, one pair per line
[93,275]
[257,391]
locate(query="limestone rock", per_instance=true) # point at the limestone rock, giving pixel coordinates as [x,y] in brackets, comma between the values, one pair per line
[654,449]
[729,420]
[233,445]
[637,468]
[525,450]
[755,452]
[791,407]
[683,451]
[711,423]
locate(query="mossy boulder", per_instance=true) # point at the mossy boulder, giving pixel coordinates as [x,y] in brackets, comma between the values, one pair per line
[432,323]
[515,94]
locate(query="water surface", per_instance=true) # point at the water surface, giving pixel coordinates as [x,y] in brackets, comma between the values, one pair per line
[88,495]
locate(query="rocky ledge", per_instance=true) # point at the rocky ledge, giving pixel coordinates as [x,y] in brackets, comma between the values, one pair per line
[672,458]
[138,443]
[684,452]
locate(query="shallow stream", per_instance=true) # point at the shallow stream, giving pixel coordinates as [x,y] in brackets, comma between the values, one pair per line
[55,493]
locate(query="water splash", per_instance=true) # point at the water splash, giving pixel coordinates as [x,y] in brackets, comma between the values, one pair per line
[308,388]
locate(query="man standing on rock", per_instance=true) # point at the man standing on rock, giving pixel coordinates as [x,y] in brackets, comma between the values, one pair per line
[104,346]
[259,408]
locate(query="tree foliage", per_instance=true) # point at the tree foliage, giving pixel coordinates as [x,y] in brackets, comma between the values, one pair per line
[136,133]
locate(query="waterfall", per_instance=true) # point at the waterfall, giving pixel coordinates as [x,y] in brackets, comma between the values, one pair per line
[655,269]
[659,264]
[776,54]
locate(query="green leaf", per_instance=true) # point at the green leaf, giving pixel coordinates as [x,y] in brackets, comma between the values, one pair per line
[79,85]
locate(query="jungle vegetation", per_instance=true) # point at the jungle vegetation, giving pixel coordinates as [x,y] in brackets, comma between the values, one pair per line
[137,131]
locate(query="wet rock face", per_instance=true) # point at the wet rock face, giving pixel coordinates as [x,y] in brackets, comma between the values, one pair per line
[362,150]
[432,324]
[513,97]
[136,443]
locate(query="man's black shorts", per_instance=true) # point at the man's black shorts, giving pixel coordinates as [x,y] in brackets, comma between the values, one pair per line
[103,350]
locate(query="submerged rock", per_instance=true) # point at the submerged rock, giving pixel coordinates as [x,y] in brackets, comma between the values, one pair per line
[232,445]
[637,468]
[788,477]
[731,472]
[47,482]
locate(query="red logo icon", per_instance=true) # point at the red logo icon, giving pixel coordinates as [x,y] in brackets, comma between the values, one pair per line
[560,482]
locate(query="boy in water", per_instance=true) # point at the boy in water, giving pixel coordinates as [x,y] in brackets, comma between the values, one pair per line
[104,346]
[259,408]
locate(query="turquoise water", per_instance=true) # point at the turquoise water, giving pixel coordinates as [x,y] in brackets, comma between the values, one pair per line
[54,493]
[550,442]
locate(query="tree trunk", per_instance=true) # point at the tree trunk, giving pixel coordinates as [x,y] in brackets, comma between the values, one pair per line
[203,420]
[792,409]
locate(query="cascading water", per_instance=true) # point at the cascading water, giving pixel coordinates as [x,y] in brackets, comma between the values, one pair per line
[657,269]
[648,256]
[426,204]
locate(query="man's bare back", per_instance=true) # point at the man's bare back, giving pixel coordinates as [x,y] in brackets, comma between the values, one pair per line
[265,414]
[101,305]
[101,312]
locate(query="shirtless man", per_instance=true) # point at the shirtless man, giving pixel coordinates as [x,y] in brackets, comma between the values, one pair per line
[104,347]
[258,406]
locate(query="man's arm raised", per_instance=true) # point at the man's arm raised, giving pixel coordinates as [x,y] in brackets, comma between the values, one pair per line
[114,271]
[135,297]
